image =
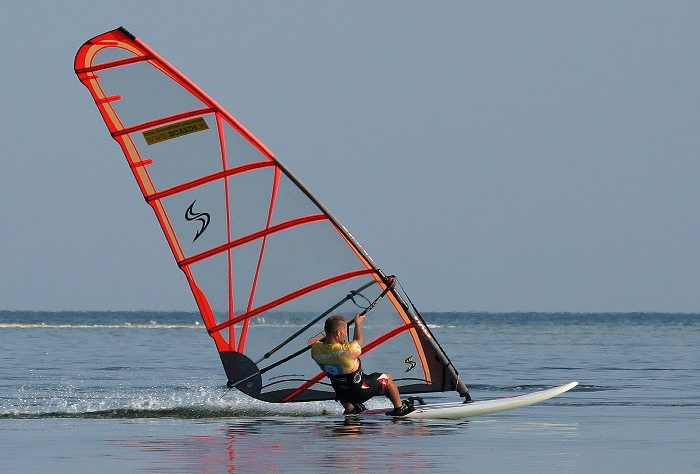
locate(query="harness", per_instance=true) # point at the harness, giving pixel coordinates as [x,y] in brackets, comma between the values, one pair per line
[348,387]
[348,381]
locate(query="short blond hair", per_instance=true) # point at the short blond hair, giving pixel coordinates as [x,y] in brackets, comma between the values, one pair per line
[334,323]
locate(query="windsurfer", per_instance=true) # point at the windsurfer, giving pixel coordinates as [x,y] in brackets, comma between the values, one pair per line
[340,361]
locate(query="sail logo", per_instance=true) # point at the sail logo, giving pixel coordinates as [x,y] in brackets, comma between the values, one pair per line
[202,217]
[410,363]
[174,130]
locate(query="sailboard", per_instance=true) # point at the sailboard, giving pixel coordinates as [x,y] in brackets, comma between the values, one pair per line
[265,260]
[447,411]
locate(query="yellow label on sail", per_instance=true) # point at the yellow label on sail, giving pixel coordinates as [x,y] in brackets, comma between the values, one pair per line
[175,130]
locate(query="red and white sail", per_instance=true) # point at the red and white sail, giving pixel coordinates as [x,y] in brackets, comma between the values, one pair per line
[257,248]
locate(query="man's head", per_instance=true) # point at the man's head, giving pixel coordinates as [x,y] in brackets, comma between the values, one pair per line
[336,327]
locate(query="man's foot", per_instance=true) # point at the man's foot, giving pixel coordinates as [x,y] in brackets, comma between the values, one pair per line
[405,408]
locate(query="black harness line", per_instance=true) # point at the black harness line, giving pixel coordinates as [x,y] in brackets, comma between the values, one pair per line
[392,282]
[315,320]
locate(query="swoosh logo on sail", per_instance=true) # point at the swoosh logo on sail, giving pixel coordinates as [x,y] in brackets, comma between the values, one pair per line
[202,217]
[409,361]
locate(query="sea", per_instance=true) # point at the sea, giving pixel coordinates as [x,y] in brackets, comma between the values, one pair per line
[144,391]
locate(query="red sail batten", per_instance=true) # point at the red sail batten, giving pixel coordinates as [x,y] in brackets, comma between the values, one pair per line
[138,164]
[208,179]
[229,262]
[117,63]
[250,237]
[109,99]
[273,198]
[291,296]
[164,120]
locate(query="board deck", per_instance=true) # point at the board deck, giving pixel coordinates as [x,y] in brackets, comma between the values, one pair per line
[482,407]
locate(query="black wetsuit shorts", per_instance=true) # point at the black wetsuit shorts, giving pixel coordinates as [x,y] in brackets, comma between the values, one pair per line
[359,387]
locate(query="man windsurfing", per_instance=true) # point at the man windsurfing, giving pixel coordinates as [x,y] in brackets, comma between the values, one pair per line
[340,361]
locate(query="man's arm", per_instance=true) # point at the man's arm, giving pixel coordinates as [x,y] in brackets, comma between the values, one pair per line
[357,335]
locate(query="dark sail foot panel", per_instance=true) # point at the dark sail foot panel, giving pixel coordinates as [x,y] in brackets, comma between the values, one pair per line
[241,368]
[238,368]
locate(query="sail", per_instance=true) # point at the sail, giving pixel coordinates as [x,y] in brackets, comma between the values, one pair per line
[263,257]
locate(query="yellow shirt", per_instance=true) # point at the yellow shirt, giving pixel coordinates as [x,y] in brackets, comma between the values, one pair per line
[336,358]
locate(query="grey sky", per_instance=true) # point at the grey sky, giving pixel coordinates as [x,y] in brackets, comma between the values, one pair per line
[496,156]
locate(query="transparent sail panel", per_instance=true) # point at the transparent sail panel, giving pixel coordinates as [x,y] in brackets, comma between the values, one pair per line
[180,157]
[198,217]
[301,256]
[211,277]
[397,356]
[243,269]
[249,200]
[291,202]
[146,93]
[107,55]
[239,151]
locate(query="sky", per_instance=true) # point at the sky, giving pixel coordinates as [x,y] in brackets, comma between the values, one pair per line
[496,156]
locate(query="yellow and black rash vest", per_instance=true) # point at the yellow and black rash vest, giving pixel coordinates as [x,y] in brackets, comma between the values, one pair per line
[336,359]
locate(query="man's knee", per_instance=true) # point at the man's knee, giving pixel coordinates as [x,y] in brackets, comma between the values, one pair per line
[387,381]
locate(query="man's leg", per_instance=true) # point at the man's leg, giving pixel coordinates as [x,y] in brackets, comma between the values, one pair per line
[391,390]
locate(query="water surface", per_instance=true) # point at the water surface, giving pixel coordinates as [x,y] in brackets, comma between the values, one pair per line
[143,392]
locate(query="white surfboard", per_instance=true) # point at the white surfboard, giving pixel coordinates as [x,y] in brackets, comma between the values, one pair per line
[482,407]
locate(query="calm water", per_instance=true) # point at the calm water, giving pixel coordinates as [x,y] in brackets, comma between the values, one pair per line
[142,391]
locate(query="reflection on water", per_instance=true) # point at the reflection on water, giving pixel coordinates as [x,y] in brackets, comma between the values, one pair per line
[290,444]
